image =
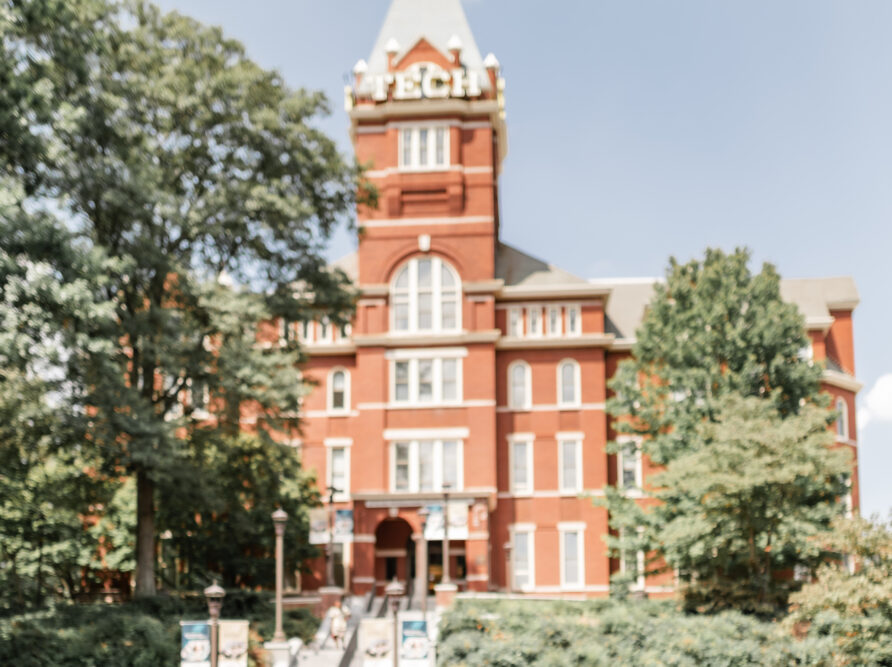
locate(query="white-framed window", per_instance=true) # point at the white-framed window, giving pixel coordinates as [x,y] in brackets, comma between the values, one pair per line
[842,420]
[520,386]
[305,331]
[574,320]
[423,380]
[523,556]
[632,561]
[534,321]
[553,321]
[338,466]
[425,296]
[425,465]
[288,330]
[570,462]
[520,458]
[569,381]
[515,321]
[630,474]
[572,554]
[339,390]
[324,330]
[424,147]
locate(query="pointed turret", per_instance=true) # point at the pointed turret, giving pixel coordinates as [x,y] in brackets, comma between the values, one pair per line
[442,23]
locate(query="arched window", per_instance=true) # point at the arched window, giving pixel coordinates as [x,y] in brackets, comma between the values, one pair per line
[339,390]
[519,385]
[568,383]
[425,296]
[842,421]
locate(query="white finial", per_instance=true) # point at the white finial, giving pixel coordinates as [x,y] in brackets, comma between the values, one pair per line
[224,279]
[491,62]
[361,67]
[454,43]
[392,46]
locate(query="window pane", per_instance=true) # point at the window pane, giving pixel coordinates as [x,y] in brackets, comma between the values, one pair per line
[630,465]
[520,471]
[401,381]
[425,380]
[515,324]
[521,560]
[450,463]
[441,145]
[402,279]
[425,311]
[407,148]
[450,379]
[841,418]
[324,329]
[573,320]
[424,273]
[518,386]
[569,469]
[401,316]
[338,385]
[554,321]
[426,465]
[401,465]
[535,315]
[422,147]
[448,308]
[339,469]
[447,279]
[568,383]
[571,558]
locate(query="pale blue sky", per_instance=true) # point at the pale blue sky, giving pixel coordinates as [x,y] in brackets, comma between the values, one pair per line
[639,130]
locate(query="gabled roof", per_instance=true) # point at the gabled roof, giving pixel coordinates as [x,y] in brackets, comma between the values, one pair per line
[815,298]
[518,269]
[437,21]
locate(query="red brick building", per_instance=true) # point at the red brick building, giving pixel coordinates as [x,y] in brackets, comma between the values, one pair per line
[471,363]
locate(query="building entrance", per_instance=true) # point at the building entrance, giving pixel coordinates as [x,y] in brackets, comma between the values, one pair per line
[394,553]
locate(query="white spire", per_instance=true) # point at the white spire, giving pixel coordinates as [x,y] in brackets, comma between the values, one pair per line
[491,62]
[361,67]
[441,22]
[454,43]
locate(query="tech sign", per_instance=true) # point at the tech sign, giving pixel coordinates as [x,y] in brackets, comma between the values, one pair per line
[425,81]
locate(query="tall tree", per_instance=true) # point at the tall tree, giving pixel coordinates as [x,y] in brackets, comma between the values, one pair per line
[713,331]
[180,159]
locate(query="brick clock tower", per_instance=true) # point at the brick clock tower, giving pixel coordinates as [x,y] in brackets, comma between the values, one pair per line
[472,368]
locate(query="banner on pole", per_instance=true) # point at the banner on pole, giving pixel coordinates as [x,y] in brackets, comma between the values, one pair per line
[458,522]
[343,525]
[415,646]
[195,644]
[376,642]
[233,644]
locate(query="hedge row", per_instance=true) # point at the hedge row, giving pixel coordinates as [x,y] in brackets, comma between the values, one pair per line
[606,632]
[142,633]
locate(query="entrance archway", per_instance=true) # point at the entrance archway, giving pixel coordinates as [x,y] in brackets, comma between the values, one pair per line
[394,552]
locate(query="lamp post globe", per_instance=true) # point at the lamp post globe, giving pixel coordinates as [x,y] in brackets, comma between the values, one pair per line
[214,595]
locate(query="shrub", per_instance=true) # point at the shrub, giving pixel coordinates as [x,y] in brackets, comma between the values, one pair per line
[608,632]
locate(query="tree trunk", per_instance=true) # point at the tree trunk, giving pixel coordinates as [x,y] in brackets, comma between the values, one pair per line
[145,534]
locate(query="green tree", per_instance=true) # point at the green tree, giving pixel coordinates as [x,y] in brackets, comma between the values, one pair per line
[850,598]
[177,157]
[712,332]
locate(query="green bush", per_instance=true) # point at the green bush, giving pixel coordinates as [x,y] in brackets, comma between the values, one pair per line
[141,633]
[608,632]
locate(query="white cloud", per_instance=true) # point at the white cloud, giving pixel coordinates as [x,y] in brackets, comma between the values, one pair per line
[877,405]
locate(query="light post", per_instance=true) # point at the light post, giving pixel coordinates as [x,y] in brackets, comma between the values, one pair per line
[214,595]
[394,591]
[446,487]
[423,514]
[280,517]
[329,563]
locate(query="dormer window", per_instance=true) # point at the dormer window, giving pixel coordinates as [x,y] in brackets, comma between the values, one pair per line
[425,297]
[424,147]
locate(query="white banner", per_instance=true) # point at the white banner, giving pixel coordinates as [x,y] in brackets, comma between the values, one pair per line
[458,522]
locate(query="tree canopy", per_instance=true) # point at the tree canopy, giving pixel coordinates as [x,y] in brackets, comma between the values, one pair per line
[179,164]
[720,396]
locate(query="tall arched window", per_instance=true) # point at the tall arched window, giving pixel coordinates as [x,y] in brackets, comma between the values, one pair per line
[519,386]
[425,296]
[842,421]
[339,390]
[568,381]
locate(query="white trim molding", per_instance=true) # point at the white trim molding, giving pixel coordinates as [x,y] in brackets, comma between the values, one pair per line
[841,380]
[453,433]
